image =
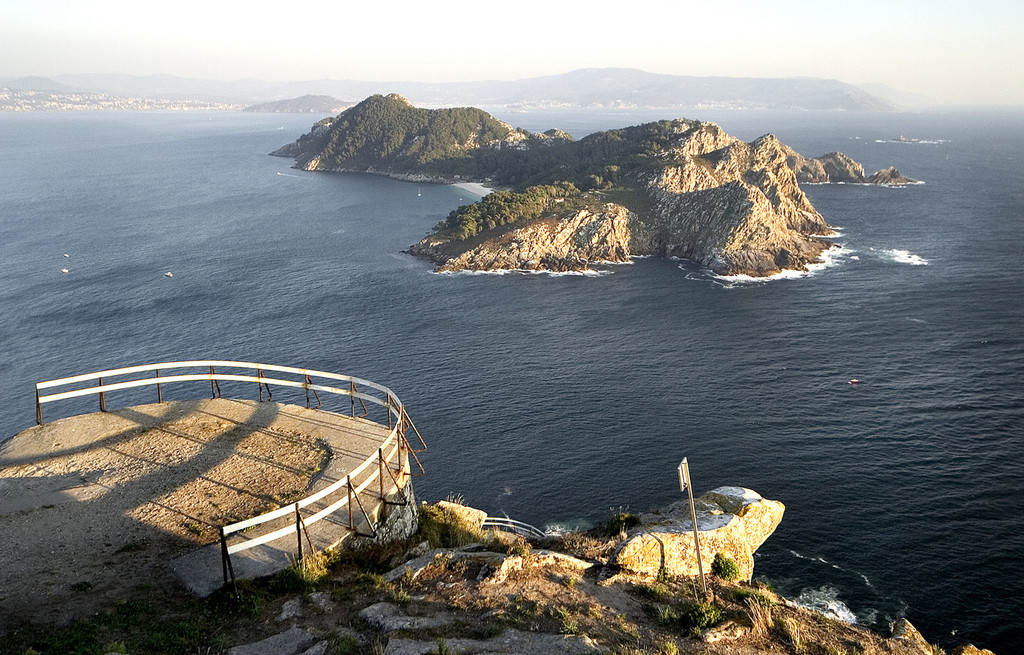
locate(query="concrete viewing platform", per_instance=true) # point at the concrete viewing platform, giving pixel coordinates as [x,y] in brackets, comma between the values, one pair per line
[99,501]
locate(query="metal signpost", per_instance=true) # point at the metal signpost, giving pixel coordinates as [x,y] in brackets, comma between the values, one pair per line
[684,485]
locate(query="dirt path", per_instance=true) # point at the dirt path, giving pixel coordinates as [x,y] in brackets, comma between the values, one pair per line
[93,505]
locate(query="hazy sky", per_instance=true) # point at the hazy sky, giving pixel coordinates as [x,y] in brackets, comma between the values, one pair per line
[954,52]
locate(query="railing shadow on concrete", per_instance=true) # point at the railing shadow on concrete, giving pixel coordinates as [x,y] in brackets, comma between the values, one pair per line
[389,467]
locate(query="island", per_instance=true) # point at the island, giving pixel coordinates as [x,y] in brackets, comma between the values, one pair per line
[673,188]
[837,168]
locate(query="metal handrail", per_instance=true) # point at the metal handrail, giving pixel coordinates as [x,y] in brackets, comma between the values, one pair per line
[395,445]
[511,525]
[212,376]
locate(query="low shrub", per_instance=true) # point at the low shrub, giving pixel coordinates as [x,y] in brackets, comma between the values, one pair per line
[622,521]
[725,567]
[700,616]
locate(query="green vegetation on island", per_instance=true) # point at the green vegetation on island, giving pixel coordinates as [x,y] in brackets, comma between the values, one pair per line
[679,188]
[504,207]
[387,133]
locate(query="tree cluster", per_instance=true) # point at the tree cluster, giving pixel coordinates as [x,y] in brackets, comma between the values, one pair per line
[503,207]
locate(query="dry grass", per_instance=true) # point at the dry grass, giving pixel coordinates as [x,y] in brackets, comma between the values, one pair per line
[620,617]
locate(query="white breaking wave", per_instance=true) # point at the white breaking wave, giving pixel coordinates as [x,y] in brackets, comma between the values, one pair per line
[829,258]
[565,527]
[825,600]
[523,271]
[906,257]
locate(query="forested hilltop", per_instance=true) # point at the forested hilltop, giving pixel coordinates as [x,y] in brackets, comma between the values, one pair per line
[680,188]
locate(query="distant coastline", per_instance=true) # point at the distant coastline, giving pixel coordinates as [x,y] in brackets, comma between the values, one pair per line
[588,88]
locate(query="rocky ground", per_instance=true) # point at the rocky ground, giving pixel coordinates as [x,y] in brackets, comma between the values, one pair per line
[453,589]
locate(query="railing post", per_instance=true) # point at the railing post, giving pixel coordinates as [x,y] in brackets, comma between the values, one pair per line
[351,520]
[213,384]
[39,409]
[159,395]
[298,528]
[259,382]
[352,396]
[103,399]
[387,408]
[306,387]
[401,463]
[225,559]
[380,470]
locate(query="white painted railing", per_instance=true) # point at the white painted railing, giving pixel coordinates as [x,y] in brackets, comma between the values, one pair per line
[391,458]
[512,525]
[390,400]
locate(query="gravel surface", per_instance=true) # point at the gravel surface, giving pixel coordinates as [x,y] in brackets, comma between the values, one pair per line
[91,506]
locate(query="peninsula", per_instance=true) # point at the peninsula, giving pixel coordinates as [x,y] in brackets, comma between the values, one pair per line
[675,188]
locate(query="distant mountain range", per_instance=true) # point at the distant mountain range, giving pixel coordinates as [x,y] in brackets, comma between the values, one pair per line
[584,88]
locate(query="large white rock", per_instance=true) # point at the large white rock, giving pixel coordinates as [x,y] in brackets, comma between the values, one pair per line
[730,520]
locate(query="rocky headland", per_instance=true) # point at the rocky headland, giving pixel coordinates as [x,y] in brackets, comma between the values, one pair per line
[679,188]
[629,587]
[837,168]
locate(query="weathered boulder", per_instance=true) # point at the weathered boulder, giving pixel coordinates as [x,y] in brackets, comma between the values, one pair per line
[462,514]
[904,632]
[731,520]
[510,641]
[293,642]
[971,649]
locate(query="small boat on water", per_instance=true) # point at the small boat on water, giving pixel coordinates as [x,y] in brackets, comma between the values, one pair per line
[854,381]
[168,274]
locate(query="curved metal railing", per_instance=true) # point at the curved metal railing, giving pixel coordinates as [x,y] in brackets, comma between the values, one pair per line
[512,525]
[391,458]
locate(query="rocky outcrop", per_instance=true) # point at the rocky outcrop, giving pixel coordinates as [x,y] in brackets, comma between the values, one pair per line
[837,168]
[971,649]
[731,206]
[730,520]
[904,632]
[568,243]
[890,177]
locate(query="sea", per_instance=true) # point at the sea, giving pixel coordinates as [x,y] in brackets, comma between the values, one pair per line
[561,400]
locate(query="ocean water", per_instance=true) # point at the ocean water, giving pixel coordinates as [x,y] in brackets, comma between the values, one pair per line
[558,399]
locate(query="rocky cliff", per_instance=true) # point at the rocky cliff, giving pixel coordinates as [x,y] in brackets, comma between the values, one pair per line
[679,188]
[567,243]
[733,207]
[837,168]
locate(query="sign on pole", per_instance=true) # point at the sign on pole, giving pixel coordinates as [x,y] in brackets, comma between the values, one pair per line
[684,485]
